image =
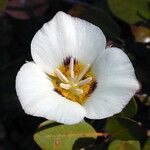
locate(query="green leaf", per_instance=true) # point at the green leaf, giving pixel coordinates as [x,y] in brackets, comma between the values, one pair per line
[130,110]
[124,145]
[147,145]
[130,11]
[3,4]
[54,136]
[124,129]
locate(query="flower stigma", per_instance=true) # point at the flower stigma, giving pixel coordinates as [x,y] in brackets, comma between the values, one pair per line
[74,80]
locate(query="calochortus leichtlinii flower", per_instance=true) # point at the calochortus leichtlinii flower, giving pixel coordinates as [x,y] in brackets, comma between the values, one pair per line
[73,75]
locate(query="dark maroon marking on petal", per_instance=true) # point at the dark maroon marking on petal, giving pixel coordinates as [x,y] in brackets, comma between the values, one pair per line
[67,60]
[94,86]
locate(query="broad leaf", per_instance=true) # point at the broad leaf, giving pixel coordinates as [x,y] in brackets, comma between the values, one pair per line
[54,136]
[124,129]
[130,110]
[147,145]
[130,11]
[124,145]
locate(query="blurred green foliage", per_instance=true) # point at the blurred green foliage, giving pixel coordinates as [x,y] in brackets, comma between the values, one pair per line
[130,11]
[125,129]
[124,145]
[147,145]
[130,110]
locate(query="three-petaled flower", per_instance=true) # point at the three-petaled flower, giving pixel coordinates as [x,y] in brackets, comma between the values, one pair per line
[73,75]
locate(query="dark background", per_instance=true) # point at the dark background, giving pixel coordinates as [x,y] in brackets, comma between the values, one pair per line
[16,33]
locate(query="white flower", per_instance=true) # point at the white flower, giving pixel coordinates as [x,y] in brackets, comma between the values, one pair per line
[73,74]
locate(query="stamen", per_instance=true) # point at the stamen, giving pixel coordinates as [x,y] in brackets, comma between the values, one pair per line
[73,80]
[72,68]
[83,72]
[61,76]
[79,91]
[85,81]
[65,86]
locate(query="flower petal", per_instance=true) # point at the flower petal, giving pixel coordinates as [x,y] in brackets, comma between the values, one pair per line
[116,85]
[38,98]
[66,36]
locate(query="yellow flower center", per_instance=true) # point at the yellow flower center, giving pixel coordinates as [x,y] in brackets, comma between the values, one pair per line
[74,80]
